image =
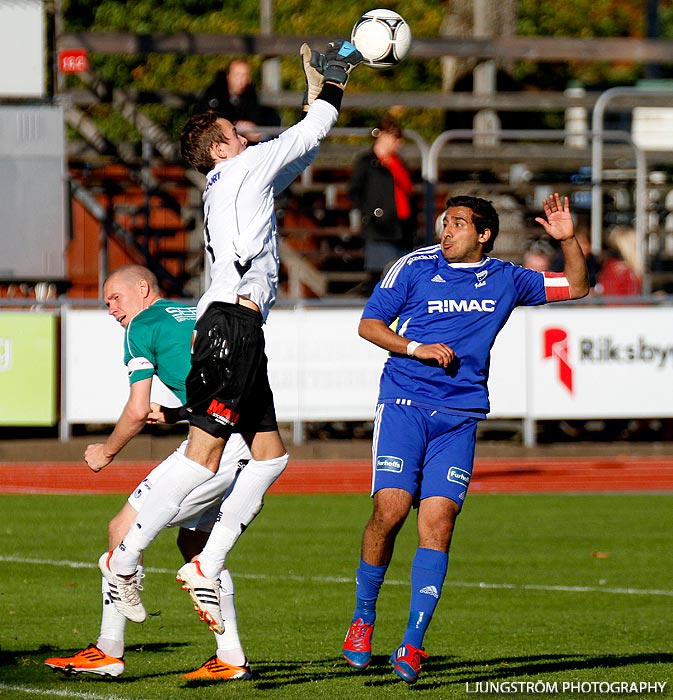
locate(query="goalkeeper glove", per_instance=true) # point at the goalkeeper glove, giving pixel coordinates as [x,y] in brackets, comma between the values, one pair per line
[314,65]
[340,59]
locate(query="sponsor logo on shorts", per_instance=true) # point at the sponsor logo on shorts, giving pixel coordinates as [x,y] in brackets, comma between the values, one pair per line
[458,476]
[221,413]
[389,464]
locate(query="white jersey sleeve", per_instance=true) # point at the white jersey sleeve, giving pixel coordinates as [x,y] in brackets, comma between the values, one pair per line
[239,212]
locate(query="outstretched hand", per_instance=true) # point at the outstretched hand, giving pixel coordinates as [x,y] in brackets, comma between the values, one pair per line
[559,222]
[313,63]
[341,57]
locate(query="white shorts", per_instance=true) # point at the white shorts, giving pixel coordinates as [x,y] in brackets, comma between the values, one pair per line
[200,508]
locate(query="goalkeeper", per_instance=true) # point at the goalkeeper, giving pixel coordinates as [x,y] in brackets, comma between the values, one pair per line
[228,389]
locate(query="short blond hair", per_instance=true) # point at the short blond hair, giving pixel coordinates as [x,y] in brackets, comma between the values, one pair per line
[136,273]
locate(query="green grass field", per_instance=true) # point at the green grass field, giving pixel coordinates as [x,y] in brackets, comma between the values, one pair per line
[540,588]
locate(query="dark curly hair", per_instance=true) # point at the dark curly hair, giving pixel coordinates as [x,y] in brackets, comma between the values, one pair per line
[484,216]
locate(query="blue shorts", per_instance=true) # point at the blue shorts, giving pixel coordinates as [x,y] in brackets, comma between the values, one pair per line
[423,452]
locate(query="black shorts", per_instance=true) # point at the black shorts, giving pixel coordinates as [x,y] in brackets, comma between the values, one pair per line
[228,385]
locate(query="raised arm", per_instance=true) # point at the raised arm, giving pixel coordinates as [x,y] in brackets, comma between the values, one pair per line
[559,225]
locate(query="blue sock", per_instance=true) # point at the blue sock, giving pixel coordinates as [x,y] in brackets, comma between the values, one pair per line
[428,571]
[368,582]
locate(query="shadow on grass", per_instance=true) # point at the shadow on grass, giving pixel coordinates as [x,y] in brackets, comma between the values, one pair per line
[442,671]
[437,672]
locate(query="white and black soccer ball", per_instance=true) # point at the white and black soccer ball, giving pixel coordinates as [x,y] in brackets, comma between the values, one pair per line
[383,38]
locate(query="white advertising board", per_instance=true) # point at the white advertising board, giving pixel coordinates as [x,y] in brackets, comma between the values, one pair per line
[282,348]
[319,368]
[96,383]
[547,363]
[22,48]
[509,361]
[601,362]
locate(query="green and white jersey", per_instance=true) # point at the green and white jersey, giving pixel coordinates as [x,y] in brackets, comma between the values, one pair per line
[157,342]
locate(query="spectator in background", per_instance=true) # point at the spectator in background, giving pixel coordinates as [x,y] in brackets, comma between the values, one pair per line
[233,95]
[538,257]
[381,190]
[593,262]
[617,275]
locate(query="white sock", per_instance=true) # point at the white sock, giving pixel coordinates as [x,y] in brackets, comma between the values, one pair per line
[238,510]
[112,626]
[229,649]
[181,477]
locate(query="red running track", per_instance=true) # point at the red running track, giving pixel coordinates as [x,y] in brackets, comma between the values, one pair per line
[507,475]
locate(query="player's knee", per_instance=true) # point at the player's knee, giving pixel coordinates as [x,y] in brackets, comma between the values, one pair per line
[389,518]
[436,522]
[391,507]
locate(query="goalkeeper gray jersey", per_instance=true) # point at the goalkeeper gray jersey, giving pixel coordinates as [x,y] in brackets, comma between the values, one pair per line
[241,235]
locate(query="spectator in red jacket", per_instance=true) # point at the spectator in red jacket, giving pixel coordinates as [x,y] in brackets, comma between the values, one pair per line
[617,275]
[381,190]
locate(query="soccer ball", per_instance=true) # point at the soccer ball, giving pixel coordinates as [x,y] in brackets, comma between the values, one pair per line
[383,38]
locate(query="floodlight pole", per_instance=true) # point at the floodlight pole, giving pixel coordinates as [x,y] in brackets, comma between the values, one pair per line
[270,66]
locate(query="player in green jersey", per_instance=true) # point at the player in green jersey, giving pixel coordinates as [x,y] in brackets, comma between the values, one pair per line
[157,339]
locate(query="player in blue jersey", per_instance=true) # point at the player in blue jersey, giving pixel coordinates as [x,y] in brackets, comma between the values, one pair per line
[450,301]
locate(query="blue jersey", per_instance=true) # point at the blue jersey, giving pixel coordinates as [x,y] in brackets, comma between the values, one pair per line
[463,305]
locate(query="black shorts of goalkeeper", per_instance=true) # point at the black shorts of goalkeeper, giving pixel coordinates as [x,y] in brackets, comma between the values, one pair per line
[228,385]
